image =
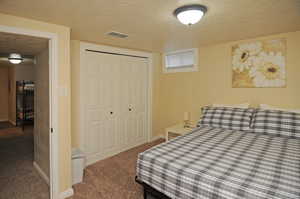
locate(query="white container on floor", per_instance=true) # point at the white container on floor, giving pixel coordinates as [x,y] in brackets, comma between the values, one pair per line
[78,164]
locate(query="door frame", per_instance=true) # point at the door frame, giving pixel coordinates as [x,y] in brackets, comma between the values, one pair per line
[53,100]
[123,51]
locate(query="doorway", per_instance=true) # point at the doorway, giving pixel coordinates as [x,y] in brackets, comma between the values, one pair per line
[25,144]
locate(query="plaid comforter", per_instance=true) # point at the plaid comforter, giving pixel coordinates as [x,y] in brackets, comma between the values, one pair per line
[217,163]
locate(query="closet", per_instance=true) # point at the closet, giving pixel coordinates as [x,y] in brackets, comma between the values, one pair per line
[114,101]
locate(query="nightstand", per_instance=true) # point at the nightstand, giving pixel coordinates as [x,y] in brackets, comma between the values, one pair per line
[177,130]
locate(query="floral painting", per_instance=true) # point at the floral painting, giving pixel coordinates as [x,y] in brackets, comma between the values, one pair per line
[259,64]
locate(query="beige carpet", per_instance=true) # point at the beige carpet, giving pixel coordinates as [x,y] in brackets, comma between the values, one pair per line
[18,178]
[113,178]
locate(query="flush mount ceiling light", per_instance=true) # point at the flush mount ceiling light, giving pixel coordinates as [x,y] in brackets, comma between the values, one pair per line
[15,58]
[190,14]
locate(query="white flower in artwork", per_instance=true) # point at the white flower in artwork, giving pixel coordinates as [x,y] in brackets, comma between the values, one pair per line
[244,55]
[268,70]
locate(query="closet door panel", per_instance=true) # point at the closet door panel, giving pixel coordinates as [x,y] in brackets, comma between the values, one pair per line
[128,105]
[122,133]
[92,138]
[92,95]
[109,74]
[140,99]
[123,102]
[95,123]
[91,122]
[141,127]
[108,137]
[91,82]
[115,104]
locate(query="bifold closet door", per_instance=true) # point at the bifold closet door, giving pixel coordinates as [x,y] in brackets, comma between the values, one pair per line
[134,89]
[115,105]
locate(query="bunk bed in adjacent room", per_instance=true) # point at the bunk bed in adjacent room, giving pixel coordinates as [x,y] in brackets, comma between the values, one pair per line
[24,103]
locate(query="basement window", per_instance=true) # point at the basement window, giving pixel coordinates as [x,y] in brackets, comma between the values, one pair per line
[181,61]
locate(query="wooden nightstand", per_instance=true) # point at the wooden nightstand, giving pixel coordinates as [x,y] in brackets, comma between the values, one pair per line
[177,130]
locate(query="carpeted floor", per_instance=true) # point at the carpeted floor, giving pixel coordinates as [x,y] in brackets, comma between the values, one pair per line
[18,178]
[113,178]
[11,132]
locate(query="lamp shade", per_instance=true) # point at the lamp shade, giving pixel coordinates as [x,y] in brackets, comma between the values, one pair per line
[186,116]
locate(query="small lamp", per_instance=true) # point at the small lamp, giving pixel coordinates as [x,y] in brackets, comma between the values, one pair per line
[186,119]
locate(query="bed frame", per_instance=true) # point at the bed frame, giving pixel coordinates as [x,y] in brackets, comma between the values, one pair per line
[148,190]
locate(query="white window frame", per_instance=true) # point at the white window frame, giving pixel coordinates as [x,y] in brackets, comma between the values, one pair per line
[193,68]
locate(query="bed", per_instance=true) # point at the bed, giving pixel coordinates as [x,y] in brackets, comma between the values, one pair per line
[212,162]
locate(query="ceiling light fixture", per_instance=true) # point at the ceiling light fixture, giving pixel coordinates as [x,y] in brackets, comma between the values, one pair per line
[15,58]
[190,14]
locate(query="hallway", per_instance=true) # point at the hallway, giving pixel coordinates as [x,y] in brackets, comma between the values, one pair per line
[18,178]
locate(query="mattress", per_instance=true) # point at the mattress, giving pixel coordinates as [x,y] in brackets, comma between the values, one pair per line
[216,163]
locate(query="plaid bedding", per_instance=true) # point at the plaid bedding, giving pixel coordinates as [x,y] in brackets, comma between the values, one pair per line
[227,118]
[280,123]
[216,163]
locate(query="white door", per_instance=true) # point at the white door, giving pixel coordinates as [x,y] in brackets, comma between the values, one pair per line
[134,101]
[115,104]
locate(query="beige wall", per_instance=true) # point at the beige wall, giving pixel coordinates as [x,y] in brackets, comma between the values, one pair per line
[12,95]
[75,81]
[179,92]
[64,102]
[24,72]
[9,74]
[4,92]
[12,74]
[41,113]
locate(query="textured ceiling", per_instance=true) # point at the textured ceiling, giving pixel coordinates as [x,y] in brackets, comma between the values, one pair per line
[151,25]
[25,45]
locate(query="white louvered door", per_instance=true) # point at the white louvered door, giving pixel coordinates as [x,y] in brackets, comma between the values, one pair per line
[116,104]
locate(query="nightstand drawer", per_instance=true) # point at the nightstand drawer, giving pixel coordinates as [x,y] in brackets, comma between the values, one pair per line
[176,130]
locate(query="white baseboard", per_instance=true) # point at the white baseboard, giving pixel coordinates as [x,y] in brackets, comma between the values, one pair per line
[157,137]
[99,156]
[14,123]
[67,193]
[8,120]
[41,172]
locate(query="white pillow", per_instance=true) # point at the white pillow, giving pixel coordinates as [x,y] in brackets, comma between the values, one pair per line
[244,105]
[269,107]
